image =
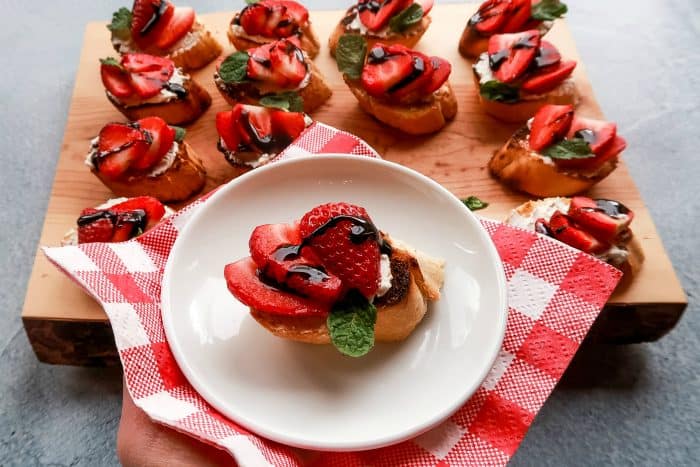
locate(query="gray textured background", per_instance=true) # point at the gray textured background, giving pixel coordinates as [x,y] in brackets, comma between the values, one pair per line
[634,405]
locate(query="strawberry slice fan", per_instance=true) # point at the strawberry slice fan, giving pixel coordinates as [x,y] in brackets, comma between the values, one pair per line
[554,294]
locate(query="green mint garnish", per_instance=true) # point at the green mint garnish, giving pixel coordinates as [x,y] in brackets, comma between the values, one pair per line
[474,204]
[234,68]
[290,101]
[575,148]
[351,325]
[548,10]
[179,133]
[121,24]
[407,18]
[350,55]
[495,90]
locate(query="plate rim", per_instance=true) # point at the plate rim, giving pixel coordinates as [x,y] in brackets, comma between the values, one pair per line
[300,441]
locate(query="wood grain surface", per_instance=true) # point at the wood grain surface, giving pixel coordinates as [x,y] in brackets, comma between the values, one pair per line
[640,309]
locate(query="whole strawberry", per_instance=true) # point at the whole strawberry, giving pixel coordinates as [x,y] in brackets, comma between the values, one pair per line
[347,249]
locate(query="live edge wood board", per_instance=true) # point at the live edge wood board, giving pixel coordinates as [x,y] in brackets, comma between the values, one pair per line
[67,326]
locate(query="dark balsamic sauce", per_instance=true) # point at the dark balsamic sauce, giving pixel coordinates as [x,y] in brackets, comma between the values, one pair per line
[588,136]
[310,273]
[178,89]
[611,208]
[483,14]
[137,218]
[378,55]
[497,59]
[158,11]
[373,5]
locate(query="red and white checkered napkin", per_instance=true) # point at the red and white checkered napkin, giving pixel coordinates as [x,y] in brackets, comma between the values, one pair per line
[554,293]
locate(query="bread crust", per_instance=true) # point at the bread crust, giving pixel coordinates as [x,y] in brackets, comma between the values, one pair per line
[408,38]
[565,93]
[415,119]
[184,178]
[309,41]
[472,44]
[395,320]
[516,165]
[314,94]
[177,111]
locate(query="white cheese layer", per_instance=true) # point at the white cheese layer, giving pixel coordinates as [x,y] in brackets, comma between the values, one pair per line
[165,163]
[385,276]
[165,95]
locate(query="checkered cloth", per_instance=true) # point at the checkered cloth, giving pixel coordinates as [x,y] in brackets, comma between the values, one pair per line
[554,293]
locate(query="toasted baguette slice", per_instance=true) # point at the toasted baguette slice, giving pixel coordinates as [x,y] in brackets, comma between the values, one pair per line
[417,279]
[309,41]
[521,111]
[526,214]
[415,119]
[184,178]
[192,52]
[472,44]
[176,111]
[515,164]
[314,94]
[408,38]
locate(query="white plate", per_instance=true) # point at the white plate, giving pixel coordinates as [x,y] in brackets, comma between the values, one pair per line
[312,396]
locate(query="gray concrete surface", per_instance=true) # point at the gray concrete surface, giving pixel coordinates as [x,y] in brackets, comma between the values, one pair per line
[635,405]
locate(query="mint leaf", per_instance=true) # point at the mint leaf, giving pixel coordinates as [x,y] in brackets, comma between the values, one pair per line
[121,24]
[350,55]
[351,325]
[407,18]
[291,101]
[548,10]
[495,90]
[179,133]
[474,203]
[111,61]
[251,2]
[235,68]
[575,148]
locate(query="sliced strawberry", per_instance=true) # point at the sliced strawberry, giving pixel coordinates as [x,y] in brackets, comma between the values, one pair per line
[259,63]
[116,80]
[289,124]
[288,65]
[295,10]
[268,238]
[243,282]
[123,231]
[254,19]
[148,73]
[148,19]
[175,28]
[491,16]
[161,136]
[615,147]
[384,70]
[547,78]
[604,219]
[153,208]
[226,127]
[273,18]
[510,55]
[255,126]
[563,229]
[547,55]
[348,246]
[98,230]
[550,124]
[375,14]
[426,5]
[119,145]
[518,15]
[412,87]
[441,71]
[597,133]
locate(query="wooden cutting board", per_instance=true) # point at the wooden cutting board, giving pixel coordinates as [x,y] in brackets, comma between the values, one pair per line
[67,326]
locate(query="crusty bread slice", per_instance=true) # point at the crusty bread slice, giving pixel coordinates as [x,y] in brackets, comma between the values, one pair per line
[472,44]
[314,94]
[417,278]
[517,165]
[192,52]
[184,178]
[309,41]
[533,209]
[523,110]
[417,119]
[176,111]
[408,38]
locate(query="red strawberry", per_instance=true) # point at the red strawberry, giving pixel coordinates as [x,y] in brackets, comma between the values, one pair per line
[598,133]
[547,55]
[375,14]
[288,65]
[226,127]
[154,209]
[441,71]
[290,124]
[354,260]
[563,229]
[148,19]
[550,124]
[175,28]
[409,89]
[243,282]
[518,15]
[254,19]
[116,80]
[491,16]
[295,10]
[604,219]
[609,152]
[121,145]
[254,125]
[300,272]
[162,137]
[148,73]
[547,78]
[273,18]
[426,5]
[510,55]
[385,69]
[259,63]
[99,230]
